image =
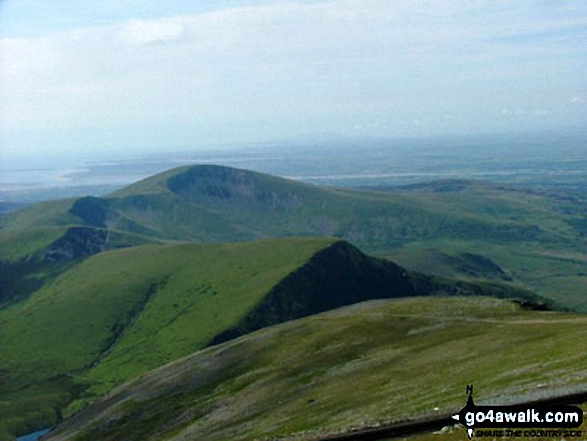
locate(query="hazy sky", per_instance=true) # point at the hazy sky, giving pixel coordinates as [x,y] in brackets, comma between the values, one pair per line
[85,76]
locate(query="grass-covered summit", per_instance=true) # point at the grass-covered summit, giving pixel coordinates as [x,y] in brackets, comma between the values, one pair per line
[95,291]
[461,229]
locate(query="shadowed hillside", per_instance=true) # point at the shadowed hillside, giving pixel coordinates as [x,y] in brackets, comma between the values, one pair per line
[452,228]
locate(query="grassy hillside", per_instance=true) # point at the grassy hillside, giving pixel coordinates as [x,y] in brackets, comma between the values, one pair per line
[361,365]
[44,240]
[451,228]
[95,291]
[123,312]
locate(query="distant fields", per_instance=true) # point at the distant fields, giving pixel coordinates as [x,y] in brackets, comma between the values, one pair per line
[532,160]
[360,365]
[554,263]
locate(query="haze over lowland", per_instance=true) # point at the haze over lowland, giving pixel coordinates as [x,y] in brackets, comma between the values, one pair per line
[288,218]
[131,77]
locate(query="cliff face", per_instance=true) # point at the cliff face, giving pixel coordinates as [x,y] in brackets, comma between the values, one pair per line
[76,243]
[336,276]
[341,275]
[94,211]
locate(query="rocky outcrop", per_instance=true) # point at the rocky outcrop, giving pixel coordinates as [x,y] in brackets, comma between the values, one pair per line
[76,243]
[336,276]
[93,211]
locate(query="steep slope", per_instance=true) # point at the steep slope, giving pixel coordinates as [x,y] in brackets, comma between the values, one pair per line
[126,311]
[123,312]
[43,240]
[260,205]
[78,316]
[361,365]
[210,203]
[456,229]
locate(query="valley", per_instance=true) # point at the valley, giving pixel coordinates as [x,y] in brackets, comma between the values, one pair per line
[99,291]
[292,220]
[533,239]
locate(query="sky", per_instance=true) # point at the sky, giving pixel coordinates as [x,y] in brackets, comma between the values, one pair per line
[85,78]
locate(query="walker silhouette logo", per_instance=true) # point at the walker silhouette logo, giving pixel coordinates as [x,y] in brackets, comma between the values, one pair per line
[476,418]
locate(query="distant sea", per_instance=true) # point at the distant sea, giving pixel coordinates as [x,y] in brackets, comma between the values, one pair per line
[540,161]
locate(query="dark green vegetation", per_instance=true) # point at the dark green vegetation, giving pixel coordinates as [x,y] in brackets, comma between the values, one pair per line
[464,229]
[95,291]
[365,364]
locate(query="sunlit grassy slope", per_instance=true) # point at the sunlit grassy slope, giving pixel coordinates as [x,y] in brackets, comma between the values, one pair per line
[123,312]
[451,228]
[78,316]
[360,365]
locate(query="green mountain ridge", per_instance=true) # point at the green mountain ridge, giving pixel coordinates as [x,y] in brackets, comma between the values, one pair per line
[120,313]
[463,229]
[362,365]
[97,291]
